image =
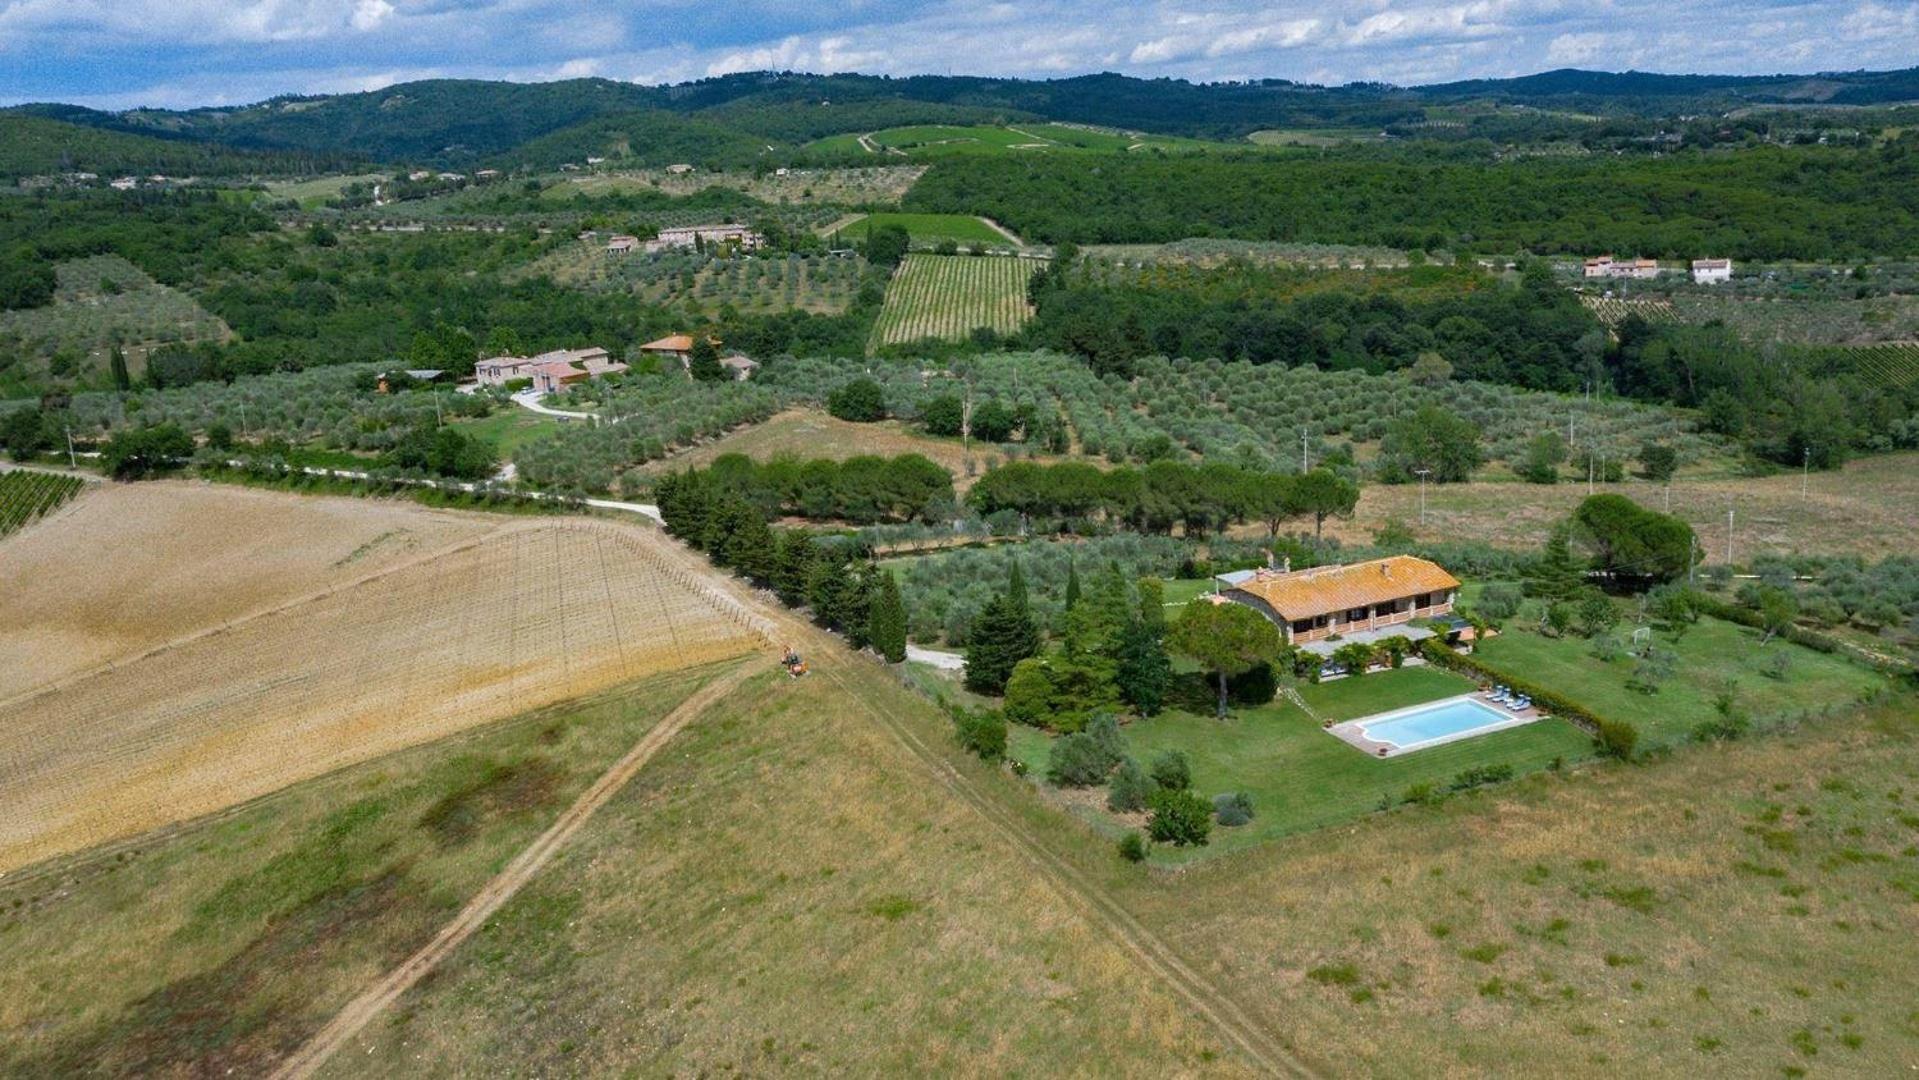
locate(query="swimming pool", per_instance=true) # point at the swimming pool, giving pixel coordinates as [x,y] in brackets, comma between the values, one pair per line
[1433,723]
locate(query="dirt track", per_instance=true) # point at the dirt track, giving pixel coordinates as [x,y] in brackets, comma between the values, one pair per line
[508,882]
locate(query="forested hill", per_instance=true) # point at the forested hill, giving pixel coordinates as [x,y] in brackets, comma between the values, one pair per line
[454,122]
[34,145]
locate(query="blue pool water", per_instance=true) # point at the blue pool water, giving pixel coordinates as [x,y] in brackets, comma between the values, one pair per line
[1430,723]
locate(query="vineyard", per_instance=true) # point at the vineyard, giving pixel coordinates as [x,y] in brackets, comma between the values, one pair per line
[101,303]
[1613,310]
[1807,320]
[949,296]
[526,616]
[27,496]
[1890,366]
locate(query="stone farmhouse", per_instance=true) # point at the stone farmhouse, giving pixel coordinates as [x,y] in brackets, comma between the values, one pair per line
[1605,266]
[1359,602]
[550,371]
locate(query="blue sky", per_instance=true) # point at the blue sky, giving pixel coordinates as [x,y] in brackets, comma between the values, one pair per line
[118,53]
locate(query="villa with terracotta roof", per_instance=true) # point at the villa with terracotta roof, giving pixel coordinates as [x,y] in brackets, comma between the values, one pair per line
[1358,602]
[550,371]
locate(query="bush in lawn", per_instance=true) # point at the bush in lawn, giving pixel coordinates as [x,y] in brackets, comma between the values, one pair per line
[981,731]
[1233,808]
[1544,453]
[1498,602]
[1615,739]
[1132,847]
[1104,731]
[1030,693]
[1607,647]
[1180,818]
[1172,772]
[1078,760]
[1129,789]
[1559,618]
[1596,614]
[1481,775]
[861,401]
[1778,665]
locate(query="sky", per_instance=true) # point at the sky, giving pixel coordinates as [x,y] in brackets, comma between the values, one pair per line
[180,53]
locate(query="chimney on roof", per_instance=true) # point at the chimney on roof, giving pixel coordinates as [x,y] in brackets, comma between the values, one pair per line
[1385,569]
[1288,565]
[1269,561]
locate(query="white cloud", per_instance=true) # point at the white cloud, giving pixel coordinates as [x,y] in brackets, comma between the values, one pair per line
[123,49]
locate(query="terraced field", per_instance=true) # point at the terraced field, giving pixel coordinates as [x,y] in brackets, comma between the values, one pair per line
[950,296]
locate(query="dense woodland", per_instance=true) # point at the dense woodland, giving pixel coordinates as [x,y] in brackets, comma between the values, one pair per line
[1765,203]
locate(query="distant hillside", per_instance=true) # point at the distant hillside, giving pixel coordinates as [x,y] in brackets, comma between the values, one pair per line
[454,122]
[35,145]
[642,138]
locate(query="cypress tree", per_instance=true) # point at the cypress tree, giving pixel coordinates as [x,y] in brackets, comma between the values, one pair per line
[1072,585]
[887,621]
[1145,672]
[118,363]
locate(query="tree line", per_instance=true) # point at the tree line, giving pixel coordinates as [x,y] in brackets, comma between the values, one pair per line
[1199,499]
[862,490]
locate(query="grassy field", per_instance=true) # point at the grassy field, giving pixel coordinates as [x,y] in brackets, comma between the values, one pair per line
[1300,777]
[1745,911]
[509,428]
[1712,656]
[786,891]
[1868,508]
[808,433]
[221,945]
[312,194]
[949,296]
[930,228]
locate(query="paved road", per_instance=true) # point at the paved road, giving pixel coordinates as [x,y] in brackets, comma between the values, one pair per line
[530,399]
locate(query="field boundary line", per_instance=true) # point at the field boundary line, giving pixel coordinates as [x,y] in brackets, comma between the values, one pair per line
[238,621]
[505,885]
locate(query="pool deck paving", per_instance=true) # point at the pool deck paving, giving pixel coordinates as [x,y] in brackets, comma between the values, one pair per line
[1353,732]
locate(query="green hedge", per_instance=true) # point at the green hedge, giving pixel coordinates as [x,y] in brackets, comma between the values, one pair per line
[1609,733]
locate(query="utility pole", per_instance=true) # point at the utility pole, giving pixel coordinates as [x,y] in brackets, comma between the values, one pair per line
[1729,531]
[438,420]
[1805,473]
[1692,559]
[966,419]
[1303,466]
[73,462]
[1422,495]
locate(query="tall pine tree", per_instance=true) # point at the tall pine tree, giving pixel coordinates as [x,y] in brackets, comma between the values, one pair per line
[1002,635]
[886,621]
[1557,574]
[118,365]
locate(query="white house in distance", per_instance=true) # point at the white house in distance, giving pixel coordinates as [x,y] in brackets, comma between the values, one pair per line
[550,371]
[1711,271]
[622,245]
[1605,266]
[708,236]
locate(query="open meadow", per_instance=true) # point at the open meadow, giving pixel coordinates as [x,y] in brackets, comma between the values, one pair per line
[247,692]
[1870,508]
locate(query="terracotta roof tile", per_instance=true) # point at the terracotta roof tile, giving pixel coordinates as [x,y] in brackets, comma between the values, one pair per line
[1321,590]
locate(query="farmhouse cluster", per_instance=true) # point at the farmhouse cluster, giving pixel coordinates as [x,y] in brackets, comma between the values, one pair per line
[736,237]
[550,372]
[1704,271]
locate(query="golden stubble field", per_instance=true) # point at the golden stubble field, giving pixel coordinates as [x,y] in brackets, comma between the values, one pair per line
[508,617]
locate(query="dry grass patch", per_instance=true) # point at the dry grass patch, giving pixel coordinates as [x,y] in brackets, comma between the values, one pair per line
[535,613]
[134,566]
[788,890]
[1868,508]
[220,946]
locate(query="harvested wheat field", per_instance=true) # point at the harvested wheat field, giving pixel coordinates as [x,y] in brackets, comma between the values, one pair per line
[130,567]
[515,618]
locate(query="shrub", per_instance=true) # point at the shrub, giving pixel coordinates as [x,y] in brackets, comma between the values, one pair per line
[1077,760]
[1615,739]
[1030,693]
[1498,602]
[1421,793]
[1481,775]
[981,731]
[1129,789]
[860,400]
[1104,731]
[1172,772]
[1233,808]
[1180,818]
[1132,847]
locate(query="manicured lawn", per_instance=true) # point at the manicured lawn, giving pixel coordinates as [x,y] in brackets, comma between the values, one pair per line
[509,428]
[1712,655]
[1302,778]
[1179,593]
